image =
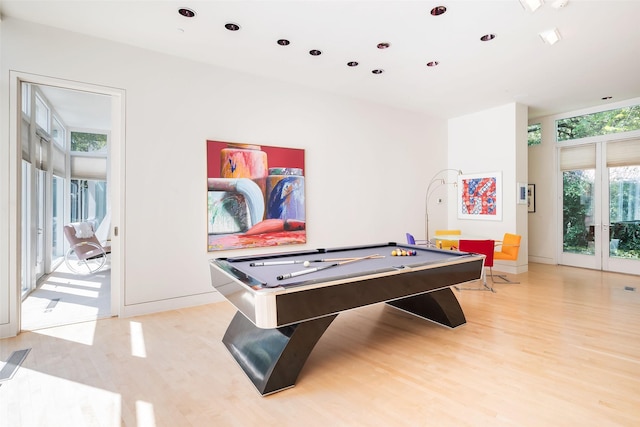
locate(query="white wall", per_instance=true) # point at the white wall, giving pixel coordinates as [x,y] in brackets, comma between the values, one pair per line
[367,165]
[493,140]
[543,173]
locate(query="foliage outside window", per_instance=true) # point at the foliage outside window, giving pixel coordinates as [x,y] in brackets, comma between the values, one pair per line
[534,133]
[577,209]
[87,142]
[601,123]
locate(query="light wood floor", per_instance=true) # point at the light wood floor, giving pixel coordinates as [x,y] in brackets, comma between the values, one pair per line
[560,349]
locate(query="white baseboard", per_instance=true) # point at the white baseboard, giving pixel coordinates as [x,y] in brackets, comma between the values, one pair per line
[542,260]
[510,267]
[170,304]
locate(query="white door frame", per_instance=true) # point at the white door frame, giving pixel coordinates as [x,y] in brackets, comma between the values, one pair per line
[579,260]
[15,177]
[601,259]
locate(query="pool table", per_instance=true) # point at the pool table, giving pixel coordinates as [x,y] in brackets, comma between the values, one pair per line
[284,306]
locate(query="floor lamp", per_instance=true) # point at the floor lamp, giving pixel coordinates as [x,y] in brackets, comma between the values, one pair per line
[438,179]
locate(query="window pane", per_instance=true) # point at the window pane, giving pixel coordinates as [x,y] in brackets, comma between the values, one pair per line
[26,227]
[57,132]
[624,212]
[86,142]
[534,134]
[57,250]
[578,211]
[601,123]
[42,114]
[88,201]
[26,98]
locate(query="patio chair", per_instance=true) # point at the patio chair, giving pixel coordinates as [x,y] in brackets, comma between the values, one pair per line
[86,254]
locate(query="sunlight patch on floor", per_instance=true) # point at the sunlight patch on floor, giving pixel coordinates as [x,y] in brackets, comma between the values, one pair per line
[74,404]
[96,284]
[81,333]
[70,290]
[145,416]
[138,347]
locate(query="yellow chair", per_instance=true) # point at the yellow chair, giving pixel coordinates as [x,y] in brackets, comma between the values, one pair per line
[447,244]
[509,248]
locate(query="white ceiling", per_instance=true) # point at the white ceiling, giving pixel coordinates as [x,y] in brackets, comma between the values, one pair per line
[597,57]
[80,110]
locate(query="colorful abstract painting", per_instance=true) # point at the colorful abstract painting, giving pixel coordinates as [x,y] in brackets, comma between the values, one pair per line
[255,196]
[479,196]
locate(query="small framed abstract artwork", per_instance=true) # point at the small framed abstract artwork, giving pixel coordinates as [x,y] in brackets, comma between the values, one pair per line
[531,198]
[521,195]
[480,196]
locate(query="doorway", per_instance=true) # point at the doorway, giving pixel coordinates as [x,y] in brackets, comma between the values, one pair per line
[60,184]
[600,205]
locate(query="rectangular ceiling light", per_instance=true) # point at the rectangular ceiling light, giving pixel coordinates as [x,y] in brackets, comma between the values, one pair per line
[551,37]
[531,5]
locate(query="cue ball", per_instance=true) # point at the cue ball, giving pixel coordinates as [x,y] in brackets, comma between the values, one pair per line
[306,264]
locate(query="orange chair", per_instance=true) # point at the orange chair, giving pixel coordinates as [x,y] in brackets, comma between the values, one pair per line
[483,247]
[447,244]
[510,246]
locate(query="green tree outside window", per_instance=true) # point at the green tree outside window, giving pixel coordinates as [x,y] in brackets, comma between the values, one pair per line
[87,142]
[601,123]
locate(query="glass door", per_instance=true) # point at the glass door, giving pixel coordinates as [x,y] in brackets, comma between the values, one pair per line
[601,206]
[580,189]
[581,245]
[622,191]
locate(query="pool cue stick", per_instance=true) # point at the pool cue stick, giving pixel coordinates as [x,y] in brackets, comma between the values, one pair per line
[324,267]
[301,261]
[342,259]
[265,263]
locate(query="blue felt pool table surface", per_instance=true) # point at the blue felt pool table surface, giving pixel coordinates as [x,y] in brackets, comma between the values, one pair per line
[251,271]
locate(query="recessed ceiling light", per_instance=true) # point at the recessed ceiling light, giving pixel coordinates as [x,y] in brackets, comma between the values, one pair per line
[531,5]
[432,63]
[377,71]
[384,45]
[283,42]
[488,37]
[315,52]
[186,12]
[551,37]
[438,10]
[231,26]
[352,63]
